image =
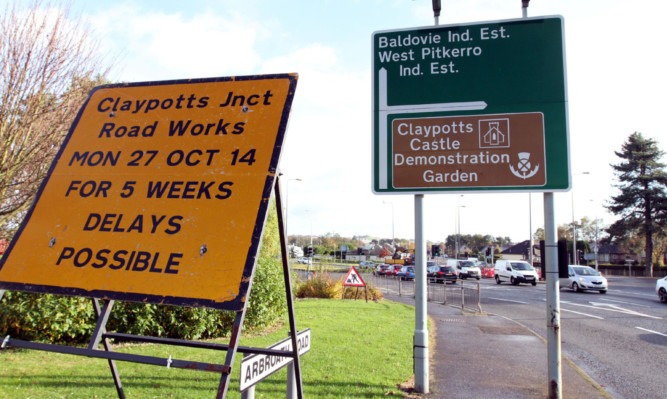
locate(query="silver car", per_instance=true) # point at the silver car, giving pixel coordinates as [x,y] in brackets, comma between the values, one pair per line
[582,278]
[661,289]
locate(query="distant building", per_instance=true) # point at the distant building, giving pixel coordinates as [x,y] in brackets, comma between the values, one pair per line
[519,251]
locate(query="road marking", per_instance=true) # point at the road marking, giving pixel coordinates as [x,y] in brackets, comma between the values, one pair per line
[508,300]
[583,314]
[612,308]
[651,331]
[629,303]
[633,293]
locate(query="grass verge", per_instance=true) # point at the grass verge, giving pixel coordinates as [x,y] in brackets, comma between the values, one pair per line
[358,350]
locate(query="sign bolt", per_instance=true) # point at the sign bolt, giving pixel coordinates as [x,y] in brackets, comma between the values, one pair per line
[52,242]
[202,249]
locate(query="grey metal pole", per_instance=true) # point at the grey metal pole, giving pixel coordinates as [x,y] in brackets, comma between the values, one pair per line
[524,8]
[553,300]
[291,382]
[530,228]
[420,343]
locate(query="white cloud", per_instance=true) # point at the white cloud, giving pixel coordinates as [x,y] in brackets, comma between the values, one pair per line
[172,46]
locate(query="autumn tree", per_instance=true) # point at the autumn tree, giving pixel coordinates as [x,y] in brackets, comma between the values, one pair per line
[642,200]
[48,64]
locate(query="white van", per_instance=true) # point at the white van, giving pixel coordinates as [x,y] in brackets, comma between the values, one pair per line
[515,272]
[466,268]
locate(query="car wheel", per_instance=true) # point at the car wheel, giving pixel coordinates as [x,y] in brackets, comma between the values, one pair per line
[478,278]
[534,283]
[575,287]
[497,280]
[512,280]
[663,295]
[603,291]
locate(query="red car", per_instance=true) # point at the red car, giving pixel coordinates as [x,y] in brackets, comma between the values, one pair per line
[384,269]
[393,269]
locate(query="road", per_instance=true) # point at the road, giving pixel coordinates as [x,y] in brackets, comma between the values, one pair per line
[618,338]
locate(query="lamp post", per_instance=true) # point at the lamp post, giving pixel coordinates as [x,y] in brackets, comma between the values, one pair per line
[393,237]
[287,207]
[597,237]
[574,226]
[458,225]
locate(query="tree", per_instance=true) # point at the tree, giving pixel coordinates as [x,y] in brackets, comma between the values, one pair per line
[641,203]
[48,64]
[384,252]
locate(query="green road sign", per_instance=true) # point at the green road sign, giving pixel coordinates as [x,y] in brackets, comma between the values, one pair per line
[476,107]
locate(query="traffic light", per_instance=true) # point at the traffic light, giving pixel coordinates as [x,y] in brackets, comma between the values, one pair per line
[435,250]
[309,251]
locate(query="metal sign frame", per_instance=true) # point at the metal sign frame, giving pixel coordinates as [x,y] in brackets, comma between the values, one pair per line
[270,182]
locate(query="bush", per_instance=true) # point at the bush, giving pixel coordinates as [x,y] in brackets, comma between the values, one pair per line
[323,286]
[320,286]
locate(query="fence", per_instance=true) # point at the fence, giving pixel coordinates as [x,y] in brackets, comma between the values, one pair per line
[464,295]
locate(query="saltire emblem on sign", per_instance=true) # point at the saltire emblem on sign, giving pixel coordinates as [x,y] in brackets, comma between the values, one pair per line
[354,279]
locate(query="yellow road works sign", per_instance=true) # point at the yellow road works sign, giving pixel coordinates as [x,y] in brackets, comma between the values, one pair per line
[159,194]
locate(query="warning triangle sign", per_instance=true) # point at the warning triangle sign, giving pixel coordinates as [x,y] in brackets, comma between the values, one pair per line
[354,279]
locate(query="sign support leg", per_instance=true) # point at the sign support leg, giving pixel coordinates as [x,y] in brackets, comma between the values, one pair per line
[102,318]
[231,353]
[288,290]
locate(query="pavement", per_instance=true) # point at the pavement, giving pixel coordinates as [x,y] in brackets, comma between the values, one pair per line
[489,356]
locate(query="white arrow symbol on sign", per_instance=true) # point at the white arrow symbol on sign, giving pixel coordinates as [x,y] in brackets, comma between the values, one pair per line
[385,110]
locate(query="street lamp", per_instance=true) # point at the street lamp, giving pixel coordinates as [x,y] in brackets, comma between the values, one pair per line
[458,225]
[597,238]
[392,224]
[287,207]
[574,226]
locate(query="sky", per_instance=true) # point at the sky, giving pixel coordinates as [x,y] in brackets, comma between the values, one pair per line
[615,84]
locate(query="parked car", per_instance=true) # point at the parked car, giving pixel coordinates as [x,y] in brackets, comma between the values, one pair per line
[383,269]
[406,273]
[442,274]
[302,260]
[465,268]
[515,272]
[661,289]
[393,270]
[582,278]
[366,264]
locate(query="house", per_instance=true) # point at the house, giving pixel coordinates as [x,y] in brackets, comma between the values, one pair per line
[518,251]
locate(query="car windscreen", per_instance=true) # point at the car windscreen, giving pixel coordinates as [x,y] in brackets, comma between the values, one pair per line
[466,263]
[586,271]
[521,266]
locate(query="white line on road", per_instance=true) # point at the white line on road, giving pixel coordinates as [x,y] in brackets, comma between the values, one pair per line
[583,314]
[614,308]
[508,300]
[634,293]
[651,331]
[629,303]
